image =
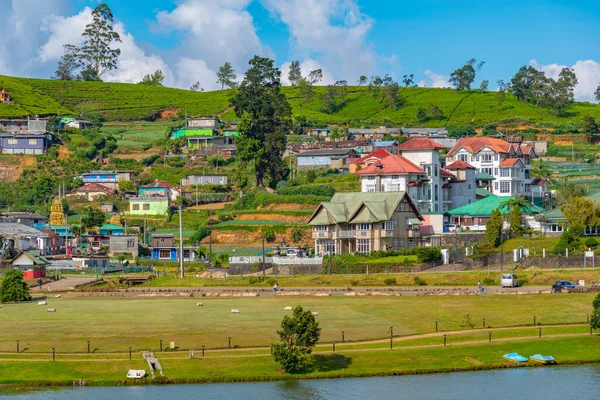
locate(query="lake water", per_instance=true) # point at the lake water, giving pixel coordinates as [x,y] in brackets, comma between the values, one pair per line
[579,382]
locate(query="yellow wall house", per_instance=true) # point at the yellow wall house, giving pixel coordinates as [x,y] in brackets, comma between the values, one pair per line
[365,222]
[148,205]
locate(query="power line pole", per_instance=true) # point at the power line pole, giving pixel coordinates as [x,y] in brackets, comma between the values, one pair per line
[180,244]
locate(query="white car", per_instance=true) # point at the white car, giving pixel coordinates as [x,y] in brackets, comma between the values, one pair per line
[509,280]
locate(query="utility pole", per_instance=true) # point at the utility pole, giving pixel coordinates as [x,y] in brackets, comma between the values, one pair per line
[502,244]
[210,247]
[263,255]
[180,244]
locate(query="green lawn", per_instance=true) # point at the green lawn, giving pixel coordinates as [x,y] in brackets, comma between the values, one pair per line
[537,244]
[115,324]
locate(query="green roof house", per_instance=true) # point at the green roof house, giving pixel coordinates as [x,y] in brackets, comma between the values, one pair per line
[364,222]
[556,219]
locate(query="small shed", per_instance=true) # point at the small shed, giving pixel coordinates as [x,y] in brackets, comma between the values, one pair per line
[31,263]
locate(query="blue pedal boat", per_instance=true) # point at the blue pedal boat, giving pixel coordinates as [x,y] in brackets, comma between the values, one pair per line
[546,360]
[515,357]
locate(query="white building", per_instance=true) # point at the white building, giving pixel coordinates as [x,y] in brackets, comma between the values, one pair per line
[509,164]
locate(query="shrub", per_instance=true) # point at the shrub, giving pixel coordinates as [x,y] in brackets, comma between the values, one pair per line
[252,280]
[390,282]
[591,243]
[428,254]
[488,281]
[419,281]
[522,282]
[354,282]
[268,233]
[318,189]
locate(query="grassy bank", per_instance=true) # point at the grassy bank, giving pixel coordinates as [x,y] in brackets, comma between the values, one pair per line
[113,325]
[342,363]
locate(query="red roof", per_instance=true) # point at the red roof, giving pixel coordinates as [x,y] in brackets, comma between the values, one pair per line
[474,144]
[460,164]
[392,164]
[444,172]
[509,162]
[93,187]
[415,184]
[378,154]
[446,186]
[160,184]
[420,144]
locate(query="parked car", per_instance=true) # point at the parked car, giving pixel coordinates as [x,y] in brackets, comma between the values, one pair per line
[509,280]
[558,286]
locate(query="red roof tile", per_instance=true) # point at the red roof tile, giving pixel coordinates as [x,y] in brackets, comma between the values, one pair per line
[93,187]
[509,162]
[444,172]
[420,144]
[392,164]
[474,144]
[460,164]
[160,184]
[378,154]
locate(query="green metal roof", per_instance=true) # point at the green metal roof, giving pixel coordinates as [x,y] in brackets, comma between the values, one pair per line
[484,176]
[110,227]
[357,207]
[485,206]
[556,213]
[36,257]
[482,192]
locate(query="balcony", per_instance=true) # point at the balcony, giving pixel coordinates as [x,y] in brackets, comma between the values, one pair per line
[364,234]
[346,234]
[414,233]
[321,235]
[387,233]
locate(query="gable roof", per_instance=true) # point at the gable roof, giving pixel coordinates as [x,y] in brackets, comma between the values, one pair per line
[539,181]
[485,206]
[474,144]
[93,187]
[33,256]
[460,164]
[510,162]
[160,184]
[326,152]
[359,207]
[378,154]
[392,164]
[444,172]
[420,144]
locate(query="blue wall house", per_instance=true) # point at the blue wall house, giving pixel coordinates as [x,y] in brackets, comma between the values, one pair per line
[25,143]
[112,229]
[326,158]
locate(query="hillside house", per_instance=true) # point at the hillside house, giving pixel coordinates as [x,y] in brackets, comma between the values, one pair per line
[26,218]
[32,126]
[460,189]
[5,97]
[432,133]
[373,134]
[74,123]
[508,163]
[204,179]
[326,158]
[365,222]
[145,205]
[160,189]
[25,143]
[123,244]
[110,179]
[111,229]
[205,123]
[31,263]
[164,249]
[23,237]
[101,261]
[387,145]
[92,191]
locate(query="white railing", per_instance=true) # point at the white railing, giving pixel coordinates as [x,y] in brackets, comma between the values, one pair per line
[249,260]
[347,234]
[297,261]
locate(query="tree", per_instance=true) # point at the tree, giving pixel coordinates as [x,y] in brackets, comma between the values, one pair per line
[597,93]
[493,227]
[306,91]
[501,94]
[315,76]
[543,220]
[97,53]
[329,100]
[341,90]
[460,130]
[196,87]
[581,212]
[391,95]
[155,79]
[226,76]
[515,219]
[435,112]
[567,191]
[463,77]
[589,127]
[489,129]
[560,93]
[595,317]
[295,73]
[408,80]
[125,186]
[528,85]
[13,287]
[266,119]
[363,79]
[484,85]
[93,218]
[421,114]
[298,335]
[68,64]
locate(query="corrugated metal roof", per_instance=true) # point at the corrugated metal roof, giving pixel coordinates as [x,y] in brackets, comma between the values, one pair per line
[485,206]
[19,230]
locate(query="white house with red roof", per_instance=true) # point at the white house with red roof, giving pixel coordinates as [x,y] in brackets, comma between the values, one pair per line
[509,164]
[91,191]
[461,189]
[160,188]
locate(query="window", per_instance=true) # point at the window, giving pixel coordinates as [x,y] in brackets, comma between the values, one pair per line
[394,188]
[469,186]
[401,207]
[162,240]
[504,187]
[146,206]
[435,191]
[320,228]
[395,176]
[33,142]
[13,141]
[370,177]
[363,227]
[370,188]
[396,242]
[363,245]
[495,185]
[402,243]
[495,171]
[504,172]
[396,223]
[435,169]
[463,157]
[387,225]
[495,157]
[136,207]
[164,254]
[486,158]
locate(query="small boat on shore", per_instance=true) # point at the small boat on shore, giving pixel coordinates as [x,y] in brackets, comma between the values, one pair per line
[546,360]
[515,357]
[136,374]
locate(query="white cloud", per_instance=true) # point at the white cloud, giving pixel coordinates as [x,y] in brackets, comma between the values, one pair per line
[61,31]
[190,71]
[332,33]
[435,80]
[588,76]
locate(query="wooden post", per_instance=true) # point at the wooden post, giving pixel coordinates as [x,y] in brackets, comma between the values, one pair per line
[444,340]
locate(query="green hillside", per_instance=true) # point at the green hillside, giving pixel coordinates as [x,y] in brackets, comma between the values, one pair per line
[128,102]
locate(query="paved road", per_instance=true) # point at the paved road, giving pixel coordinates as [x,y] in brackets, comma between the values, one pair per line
[66,283]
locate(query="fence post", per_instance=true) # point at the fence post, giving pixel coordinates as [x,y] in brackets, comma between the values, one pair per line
[271,348]
[444,340]
[436,326]
[484,322]
[333,346]
[88,343]
[490,337]
[17,346]
[202,351]
[343,337]
[391,343]
[130,352]
[534,319]
[540,332]
[160,344]
[53,354]
[229,342]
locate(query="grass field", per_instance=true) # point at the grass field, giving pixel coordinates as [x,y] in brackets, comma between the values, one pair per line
[128,102]
[113,325]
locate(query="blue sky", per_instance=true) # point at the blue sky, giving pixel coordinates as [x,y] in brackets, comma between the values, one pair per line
[346,38]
